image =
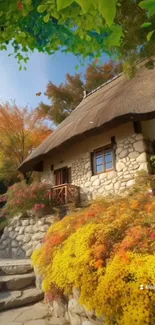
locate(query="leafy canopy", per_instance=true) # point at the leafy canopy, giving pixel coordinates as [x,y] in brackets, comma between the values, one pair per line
[85,28]
[21,131]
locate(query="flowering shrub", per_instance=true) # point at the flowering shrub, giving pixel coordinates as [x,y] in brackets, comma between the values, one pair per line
[107,251]
[22,197]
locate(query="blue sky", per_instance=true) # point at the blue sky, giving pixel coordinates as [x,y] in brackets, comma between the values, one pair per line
[22,86]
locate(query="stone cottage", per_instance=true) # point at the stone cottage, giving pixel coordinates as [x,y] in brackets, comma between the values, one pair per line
[98,149]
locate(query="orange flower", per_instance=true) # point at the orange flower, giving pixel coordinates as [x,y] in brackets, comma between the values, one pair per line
[99,264]
[148,207]
[91,214]
[124,256]
[134,204]
[99,250]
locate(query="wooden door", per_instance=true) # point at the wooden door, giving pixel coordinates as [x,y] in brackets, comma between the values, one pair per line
[62,176]
[58,177]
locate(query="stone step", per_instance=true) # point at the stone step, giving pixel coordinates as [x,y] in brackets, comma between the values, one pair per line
[15,299]
[11,266]
[16,282]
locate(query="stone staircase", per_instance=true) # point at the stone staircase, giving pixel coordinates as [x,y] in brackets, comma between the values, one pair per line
[17,284]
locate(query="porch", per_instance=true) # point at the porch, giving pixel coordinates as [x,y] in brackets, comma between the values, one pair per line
[65,194]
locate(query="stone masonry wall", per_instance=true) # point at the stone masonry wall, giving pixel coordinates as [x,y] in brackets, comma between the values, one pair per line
[70,310]
[131,155]
[22,236]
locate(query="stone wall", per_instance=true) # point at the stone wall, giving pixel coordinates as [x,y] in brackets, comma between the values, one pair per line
[132,154]
[71,311]
[22,236]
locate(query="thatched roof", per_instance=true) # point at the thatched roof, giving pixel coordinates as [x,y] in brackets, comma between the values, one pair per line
[118,101]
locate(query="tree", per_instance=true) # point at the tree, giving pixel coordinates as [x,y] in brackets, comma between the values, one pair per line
[66,97]
[97,75]
[85,28]
[21,131]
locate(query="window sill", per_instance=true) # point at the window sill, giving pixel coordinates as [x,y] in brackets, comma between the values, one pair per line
[105,172]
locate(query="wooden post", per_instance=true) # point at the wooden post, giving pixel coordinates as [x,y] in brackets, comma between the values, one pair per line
[66,193]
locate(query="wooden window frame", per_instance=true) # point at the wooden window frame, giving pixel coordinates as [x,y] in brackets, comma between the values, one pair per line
[102,150]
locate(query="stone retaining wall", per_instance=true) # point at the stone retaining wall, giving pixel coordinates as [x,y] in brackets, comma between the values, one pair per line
[72,312]
[22,236]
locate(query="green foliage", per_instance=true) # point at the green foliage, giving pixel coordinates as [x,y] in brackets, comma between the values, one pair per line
[108,10]
[145,25]
[148,5]
[85,28]
[61,4]
[149,35]
[115,37]
[152,160]
[41,8]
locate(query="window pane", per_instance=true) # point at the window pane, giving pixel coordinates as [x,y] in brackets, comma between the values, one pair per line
[99,168]
[109,165]
[108,157]
[99,160]
[98,154]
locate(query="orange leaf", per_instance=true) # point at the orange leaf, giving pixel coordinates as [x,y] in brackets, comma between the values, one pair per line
[20,6]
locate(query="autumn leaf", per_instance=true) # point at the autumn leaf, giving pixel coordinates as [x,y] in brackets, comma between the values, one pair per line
[20,6]
[38,94]
[21,132]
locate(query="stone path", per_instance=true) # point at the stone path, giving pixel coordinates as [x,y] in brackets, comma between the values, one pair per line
[38,314]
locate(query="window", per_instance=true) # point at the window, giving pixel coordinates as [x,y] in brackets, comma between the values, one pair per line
[103,160]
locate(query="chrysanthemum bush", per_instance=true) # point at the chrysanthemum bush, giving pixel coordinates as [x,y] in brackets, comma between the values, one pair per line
[22,197]
[107,251]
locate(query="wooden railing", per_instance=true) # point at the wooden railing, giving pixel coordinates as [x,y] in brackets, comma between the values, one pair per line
[65,194]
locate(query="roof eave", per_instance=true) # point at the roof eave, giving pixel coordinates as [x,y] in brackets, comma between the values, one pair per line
[30,164]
